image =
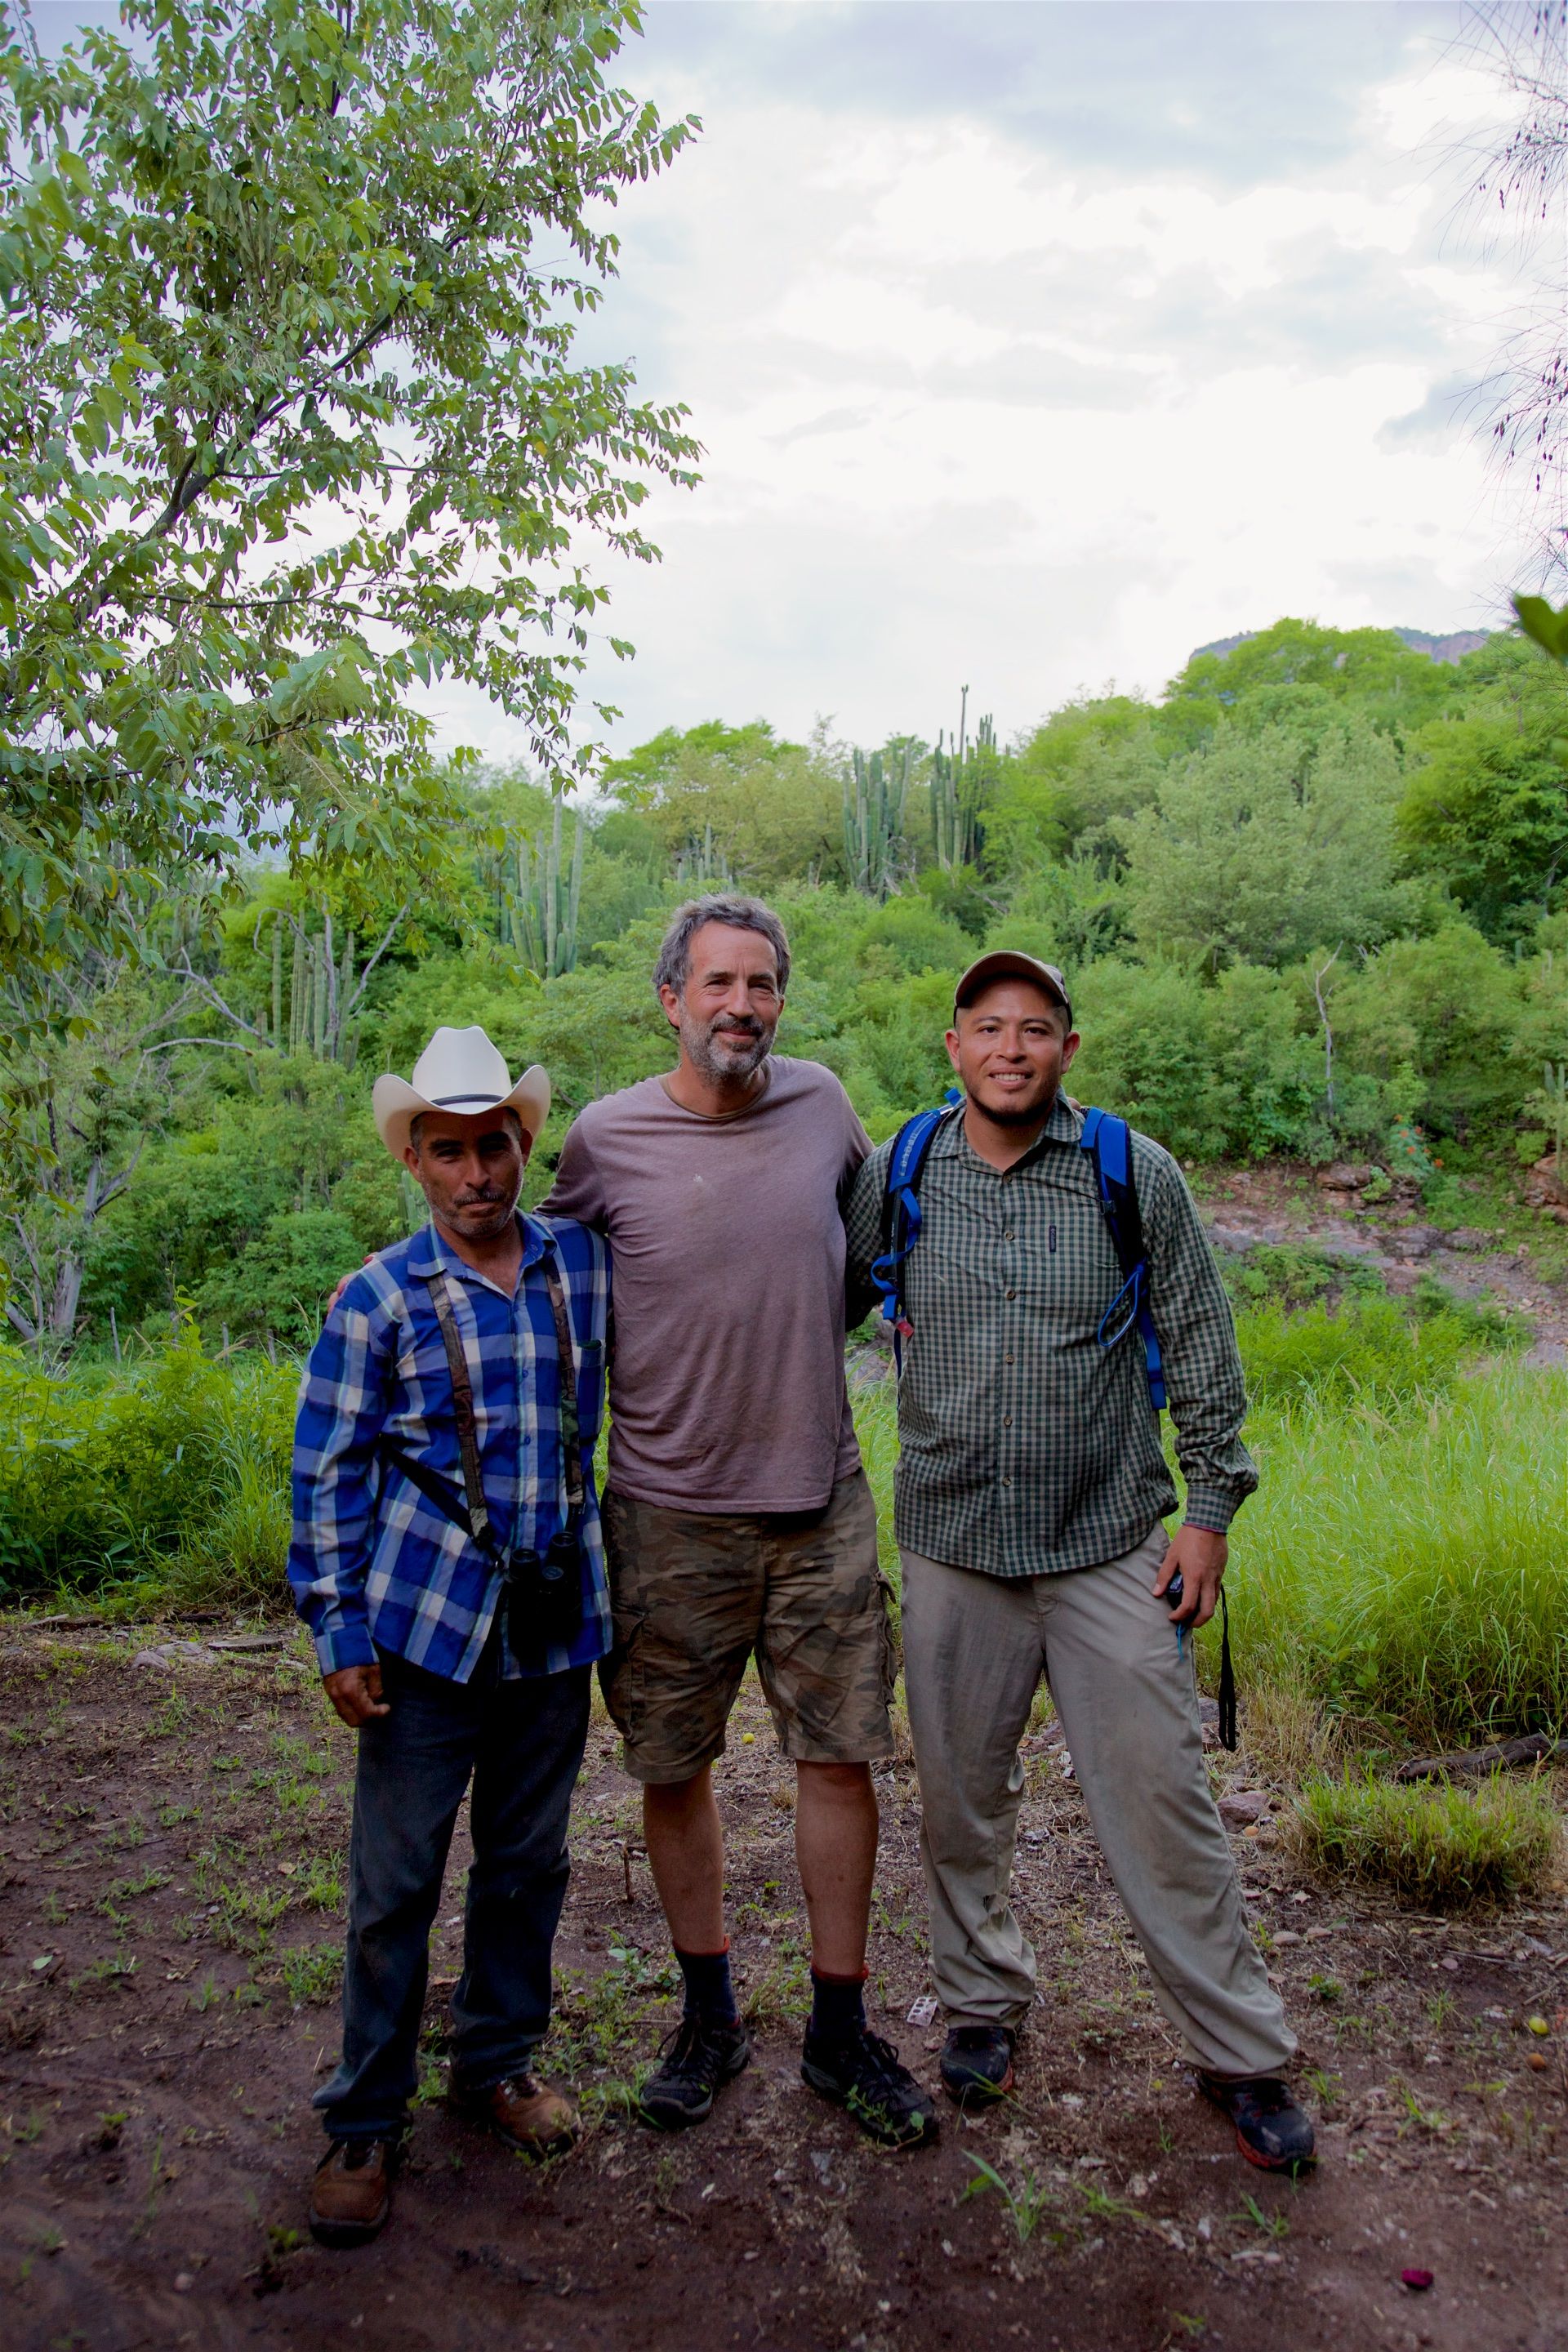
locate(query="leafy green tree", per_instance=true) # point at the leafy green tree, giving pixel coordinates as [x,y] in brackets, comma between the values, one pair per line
[736,805]
[1262,848]
[1087,765]
[294,422]
[1392,684]
[278,1185]
[1486,809]
[1440,1022]
[88,1103]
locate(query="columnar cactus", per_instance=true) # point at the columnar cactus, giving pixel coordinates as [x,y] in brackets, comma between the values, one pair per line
[876,799]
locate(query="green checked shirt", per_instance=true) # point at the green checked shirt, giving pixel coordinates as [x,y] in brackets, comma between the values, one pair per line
[1025,1447]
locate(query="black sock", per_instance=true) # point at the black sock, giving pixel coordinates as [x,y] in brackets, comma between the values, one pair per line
[709,1991]
[838,2007]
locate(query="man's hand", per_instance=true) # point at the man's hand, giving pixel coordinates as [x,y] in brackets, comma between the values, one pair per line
[356,1692]
[1200,1554]
[344,1282]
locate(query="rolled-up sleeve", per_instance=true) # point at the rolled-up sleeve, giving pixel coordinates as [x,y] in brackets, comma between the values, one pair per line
[1203,1379]
[344,1402]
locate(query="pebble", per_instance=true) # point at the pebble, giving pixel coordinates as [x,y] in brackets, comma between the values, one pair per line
[184,2282]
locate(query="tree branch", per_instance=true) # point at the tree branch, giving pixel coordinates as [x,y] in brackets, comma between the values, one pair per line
[353,1005]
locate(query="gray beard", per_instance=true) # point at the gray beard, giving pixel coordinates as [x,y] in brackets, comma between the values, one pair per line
[723,1067]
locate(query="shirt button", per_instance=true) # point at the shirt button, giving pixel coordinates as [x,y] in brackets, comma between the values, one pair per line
[1006,1481]
[1007,1237]
[1007,1360]
[1012,1294]
[1007,1420]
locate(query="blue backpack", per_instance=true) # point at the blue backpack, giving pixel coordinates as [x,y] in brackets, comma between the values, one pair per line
[1105,1138]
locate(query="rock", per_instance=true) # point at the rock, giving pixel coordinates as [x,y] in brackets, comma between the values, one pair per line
[1413,1241]
[1342,1176]
[1233,1238]
[1544,1188]
[1401,1280]
[178,1654]
[1466,1237]
[1239,1806]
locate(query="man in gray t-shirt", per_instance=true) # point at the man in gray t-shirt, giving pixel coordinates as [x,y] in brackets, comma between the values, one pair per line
[738,1519]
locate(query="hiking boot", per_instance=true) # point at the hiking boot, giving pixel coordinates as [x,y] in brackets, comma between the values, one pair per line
[978,2063]
[1271,2130]
[524,2112]
[703,2055]
[350,2195]
[866,2077]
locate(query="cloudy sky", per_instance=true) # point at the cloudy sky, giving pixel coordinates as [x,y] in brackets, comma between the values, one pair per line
[1033,344]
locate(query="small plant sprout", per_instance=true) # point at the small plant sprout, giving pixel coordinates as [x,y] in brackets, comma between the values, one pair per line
[1024,2202]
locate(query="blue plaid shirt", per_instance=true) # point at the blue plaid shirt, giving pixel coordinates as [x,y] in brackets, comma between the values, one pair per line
[375,1566]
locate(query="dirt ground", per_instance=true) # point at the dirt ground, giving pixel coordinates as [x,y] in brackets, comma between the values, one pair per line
[170,1855]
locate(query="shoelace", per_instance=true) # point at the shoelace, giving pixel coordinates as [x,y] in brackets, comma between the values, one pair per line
[684,2045]
[886,2066]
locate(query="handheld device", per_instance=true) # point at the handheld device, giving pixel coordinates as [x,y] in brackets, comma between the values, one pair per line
[1173,1597]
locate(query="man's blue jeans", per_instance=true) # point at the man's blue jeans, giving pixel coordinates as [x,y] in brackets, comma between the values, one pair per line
[523,1742]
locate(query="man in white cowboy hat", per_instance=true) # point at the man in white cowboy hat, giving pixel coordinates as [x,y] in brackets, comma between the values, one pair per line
[447,1560]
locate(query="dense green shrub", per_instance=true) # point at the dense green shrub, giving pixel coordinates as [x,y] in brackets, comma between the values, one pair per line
[1369,1352]
[1438,1021]
[1210,1071]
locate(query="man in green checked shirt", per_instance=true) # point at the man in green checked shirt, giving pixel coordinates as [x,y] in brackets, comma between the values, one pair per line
[1032,1491]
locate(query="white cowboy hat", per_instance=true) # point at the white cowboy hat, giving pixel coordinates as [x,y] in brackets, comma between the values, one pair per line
[461,1072]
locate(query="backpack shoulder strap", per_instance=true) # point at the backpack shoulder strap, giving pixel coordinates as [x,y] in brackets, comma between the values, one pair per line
[1108,1141]
[901,1209]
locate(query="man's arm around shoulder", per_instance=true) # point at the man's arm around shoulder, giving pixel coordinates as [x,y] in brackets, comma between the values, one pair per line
[863,1233]
[578,1190]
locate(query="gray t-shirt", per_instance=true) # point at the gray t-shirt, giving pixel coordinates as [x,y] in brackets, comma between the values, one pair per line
[727,1389]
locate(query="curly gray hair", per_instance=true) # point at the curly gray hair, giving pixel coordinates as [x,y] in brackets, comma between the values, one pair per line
[674,964]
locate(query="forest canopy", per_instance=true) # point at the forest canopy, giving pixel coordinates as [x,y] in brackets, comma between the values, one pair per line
[1313,892]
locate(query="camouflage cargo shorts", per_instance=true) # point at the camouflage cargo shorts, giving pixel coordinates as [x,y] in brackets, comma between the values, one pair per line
[696,1593]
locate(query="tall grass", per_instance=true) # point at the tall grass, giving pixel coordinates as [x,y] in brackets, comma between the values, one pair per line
[1403,1566]
[1443,1848]
[108,1474]
[1369,1352]
[1411,1566]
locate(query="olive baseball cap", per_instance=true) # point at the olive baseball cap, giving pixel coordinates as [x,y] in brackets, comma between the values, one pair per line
[1010,963]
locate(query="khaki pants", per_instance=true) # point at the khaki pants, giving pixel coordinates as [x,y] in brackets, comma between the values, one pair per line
[975,1647]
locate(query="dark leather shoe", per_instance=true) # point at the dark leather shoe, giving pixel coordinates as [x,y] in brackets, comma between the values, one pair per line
[525,2113]
[350,2195]
[978,2063]
[1271,2130]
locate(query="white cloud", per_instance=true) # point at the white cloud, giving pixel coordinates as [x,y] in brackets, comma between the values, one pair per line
[981,405]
